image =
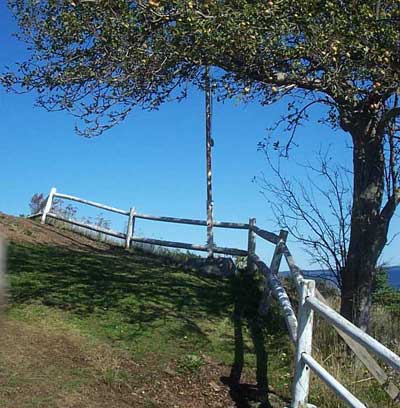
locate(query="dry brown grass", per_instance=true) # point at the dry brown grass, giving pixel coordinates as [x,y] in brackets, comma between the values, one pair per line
[333,354]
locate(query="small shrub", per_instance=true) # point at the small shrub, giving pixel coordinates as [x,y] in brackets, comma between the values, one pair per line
[37,203]
[385,295]
[190,363]
[115,377]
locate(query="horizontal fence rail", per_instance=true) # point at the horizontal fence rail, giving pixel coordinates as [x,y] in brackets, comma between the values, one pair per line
[188,221]
[91,203]
[194,247]
[31,216]
[357,340]
[91,227]
[281,296]
[332,383]
[269,236]
[354,332]
[129,236]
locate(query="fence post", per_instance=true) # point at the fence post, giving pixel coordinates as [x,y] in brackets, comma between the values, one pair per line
[48,205]
[251,245]
[277,257]
[301,382]
[129,232]
[274,267]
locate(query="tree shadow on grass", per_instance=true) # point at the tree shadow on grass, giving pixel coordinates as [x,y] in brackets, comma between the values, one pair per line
[138,287]
[247,297]
[139,291]
[247,395]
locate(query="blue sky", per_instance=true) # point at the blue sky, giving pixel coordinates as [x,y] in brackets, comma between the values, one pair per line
[153,161]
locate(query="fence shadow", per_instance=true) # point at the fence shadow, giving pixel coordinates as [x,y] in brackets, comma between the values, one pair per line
[247,297]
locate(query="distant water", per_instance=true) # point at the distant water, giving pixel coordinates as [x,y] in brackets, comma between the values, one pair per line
[393,275]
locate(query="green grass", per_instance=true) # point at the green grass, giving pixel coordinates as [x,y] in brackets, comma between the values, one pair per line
[144,305]
[134,301]
[140,303]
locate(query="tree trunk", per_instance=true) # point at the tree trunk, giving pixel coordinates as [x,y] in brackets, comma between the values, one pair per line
[368,231]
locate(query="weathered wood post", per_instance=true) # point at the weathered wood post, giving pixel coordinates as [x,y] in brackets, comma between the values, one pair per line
[251,245]
[48,205]
[131,225]
[209,144]
[277,257]
[274,266]
[301,382]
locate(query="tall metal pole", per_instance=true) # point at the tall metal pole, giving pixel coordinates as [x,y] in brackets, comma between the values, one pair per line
[209,144]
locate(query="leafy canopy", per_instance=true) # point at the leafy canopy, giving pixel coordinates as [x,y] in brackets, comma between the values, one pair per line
[100,58]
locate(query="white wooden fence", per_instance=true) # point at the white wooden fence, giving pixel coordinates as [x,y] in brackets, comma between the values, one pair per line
[300,328]
[129,235]
[301,331]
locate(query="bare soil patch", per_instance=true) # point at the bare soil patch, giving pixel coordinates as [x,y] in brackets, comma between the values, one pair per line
[22,230]
[53,368]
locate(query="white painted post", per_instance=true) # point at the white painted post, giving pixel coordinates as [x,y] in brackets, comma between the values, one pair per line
[301,382]
[251,245]
[129,230]
[48,205]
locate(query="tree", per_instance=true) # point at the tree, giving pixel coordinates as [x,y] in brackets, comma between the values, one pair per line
[314,209]
[99,58]
[37,203]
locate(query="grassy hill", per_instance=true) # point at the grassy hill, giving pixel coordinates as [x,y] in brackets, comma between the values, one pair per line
[91,325]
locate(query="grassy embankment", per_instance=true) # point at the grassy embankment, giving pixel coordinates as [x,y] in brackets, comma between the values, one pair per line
[108,328]
[164,322]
